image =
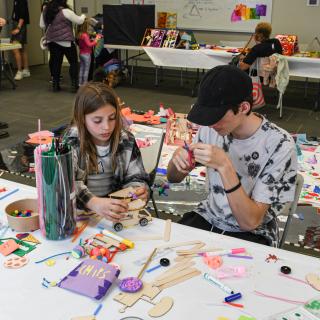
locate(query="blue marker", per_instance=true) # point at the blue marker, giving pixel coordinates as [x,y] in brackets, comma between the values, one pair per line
[233,297]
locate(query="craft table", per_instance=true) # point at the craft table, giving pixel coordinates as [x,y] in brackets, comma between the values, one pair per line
[4,64]
[23,296]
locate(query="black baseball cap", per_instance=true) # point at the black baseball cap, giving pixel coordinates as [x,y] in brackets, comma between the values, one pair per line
[220,88]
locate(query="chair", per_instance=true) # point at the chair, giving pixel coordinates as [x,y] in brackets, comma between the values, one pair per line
[291,208]
[150,158]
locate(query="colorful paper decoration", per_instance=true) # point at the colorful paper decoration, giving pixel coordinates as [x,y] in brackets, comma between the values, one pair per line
[242,12]
[91,278]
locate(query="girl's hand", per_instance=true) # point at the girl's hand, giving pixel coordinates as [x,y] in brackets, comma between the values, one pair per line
[15,31]
[111,209]
[142,193]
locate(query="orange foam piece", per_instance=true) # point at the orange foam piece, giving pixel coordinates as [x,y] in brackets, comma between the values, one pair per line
[8,247]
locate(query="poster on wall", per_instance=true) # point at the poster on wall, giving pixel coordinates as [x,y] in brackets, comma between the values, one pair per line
[137,1]
[217,15]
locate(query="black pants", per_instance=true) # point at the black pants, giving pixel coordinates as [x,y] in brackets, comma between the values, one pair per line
[56,58]
[193,219]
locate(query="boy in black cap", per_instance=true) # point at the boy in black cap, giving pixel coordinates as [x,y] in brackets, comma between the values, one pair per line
[251,163]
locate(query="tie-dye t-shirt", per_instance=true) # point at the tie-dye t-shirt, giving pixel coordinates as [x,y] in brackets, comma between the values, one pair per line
[266,164]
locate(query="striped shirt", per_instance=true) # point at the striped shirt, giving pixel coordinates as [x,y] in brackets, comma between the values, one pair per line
[129,169]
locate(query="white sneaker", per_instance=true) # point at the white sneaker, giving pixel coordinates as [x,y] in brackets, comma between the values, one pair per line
[19,75]
[26,73]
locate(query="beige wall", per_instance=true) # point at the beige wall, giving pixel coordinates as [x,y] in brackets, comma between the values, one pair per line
[288,16]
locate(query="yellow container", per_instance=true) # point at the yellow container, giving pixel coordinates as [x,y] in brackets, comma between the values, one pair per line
[23,224]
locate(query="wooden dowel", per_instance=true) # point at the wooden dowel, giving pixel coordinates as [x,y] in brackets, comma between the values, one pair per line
[145,266]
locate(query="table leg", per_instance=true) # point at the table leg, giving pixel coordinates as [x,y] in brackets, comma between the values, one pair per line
[317,101]
[156,74]
[9,74]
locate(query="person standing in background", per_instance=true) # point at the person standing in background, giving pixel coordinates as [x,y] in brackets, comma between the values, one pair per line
[57,19]
[85,46]
[20,20]
[3,125]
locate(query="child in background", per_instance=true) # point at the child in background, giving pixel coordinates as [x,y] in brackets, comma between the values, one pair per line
[107,157]
[85,45]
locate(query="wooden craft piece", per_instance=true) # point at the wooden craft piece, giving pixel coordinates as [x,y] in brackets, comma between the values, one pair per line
[170,278]
[145,266]
[185,258]
[161,307]
[125,193]
[175,269]
[147,237]
[84,318]
[108,242]
[136,205]
[181,244]
[314,280]
[197,250]
[16,262]
[167,230]
[180,279]
[129,299]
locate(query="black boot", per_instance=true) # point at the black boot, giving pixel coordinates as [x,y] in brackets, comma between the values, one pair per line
[55,86]
[4,134]
[3,125]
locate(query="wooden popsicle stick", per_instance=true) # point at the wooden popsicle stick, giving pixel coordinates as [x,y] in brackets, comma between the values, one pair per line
[185,258]
[196,251]
[146,237]
[145,266]
[173,277]
[167,230]
[173,271]
[179,280]
[180,244]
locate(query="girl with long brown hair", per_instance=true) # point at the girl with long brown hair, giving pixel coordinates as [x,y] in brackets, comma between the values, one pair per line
[106,155]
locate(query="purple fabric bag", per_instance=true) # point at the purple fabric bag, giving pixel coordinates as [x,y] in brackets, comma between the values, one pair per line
[91,278]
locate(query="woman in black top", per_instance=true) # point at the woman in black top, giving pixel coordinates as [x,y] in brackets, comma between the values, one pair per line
[265,46]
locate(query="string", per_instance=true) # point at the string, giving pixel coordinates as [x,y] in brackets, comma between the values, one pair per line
[292,278]
[278,298]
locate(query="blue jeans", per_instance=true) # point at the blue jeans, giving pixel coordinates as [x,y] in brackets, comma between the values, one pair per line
[85,61]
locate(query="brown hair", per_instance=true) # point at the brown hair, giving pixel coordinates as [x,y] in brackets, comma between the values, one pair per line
[89,98]
[83,28]
[263,31]
[235,108]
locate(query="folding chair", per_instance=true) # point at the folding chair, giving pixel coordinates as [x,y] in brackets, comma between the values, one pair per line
[291,208]
[150,158]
